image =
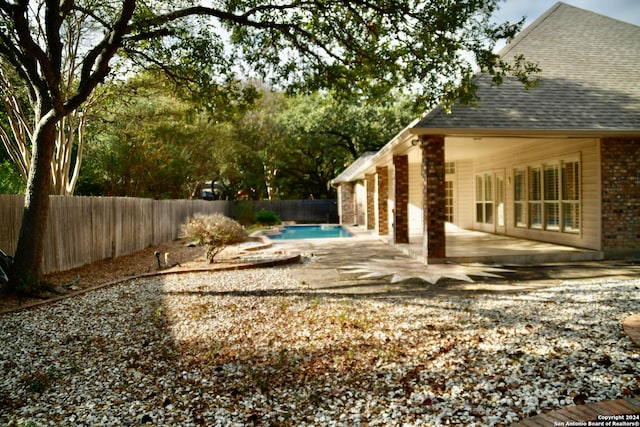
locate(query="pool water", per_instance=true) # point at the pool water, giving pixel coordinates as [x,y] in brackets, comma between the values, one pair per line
[310,232]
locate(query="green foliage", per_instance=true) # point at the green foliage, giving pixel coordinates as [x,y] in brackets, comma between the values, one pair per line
[10,180]
[147,143]
[290,147]
[324,133]
[243,211]
[265,217]
[371,48]
[215,232]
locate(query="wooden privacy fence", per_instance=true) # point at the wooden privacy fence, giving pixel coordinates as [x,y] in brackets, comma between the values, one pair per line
[82,230]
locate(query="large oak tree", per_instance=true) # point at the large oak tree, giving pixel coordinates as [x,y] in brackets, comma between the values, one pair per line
[16,134]
[366,46]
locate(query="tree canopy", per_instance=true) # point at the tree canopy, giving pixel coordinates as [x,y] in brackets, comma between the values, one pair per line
[365,47]
[147,142]
[144,141]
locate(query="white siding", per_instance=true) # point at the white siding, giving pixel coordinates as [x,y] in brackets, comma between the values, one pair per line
[539,151]
[391,200]
[416,217]
[361,203]
[463,205]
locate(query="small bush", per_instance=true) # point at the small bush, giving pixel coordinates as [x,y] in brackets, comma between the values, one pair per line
[243,211]
[214,232]
[265,217]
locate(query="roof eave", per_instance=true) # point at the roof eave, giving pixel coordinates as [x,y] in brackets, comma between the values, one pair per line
[370,163]
[528,133]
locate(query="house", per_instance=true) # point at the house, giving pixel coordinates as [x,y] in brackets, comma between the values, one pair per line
[559,163]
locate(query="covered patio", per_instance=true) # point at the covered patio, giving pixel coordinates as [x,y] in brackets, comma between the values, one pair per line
[469,246]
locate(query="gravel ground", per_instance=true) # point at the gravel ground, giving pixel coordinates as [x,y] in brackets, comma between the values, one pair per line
[257,347]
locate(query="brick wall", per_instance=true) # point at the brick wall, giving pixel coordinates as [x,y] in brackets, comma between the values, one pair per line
[383,196]
[401,220]
[347,203]
[370,182]
[620,161]
[433,176]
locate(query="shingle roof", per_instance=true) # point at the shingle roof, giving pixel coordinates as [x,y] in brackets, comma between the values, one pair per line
[590,79]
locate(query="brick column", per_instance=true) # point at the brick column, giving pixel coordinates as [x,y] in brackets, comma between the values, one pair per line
[434,246]
[383,196]
[401,208]
[347,203]
[370,183]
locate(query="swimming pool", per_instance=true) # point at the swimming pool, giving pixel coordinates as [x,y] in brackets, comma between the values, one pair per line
[310,232]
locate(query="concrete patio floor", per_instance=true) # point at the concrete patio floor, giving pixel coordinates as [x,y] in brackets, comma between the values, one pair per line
[468,246]
[366,265]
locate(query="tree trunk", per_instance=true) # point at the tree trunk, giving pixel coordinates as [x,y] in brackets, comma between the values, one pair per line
[27,268]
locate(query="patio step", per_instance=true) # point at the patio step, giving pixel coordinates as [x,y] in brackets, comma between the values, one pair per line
[530,258]
[470,246]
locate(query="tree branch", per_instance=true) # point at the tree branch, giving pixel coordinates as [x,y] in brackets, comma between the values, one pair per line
[95,66]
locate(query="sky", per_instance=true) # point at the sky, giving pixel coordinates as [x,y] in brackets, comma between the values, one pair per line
[513,10]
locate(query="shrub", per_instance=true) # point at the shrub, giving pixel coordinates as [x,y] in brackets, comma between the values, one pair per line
[215,232]
[265,217]
[243,211]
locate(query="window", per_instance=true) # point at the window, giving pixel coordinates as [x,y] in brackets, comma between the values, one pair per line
[535,198]
[551,202]
[484,199]
[488,199]
[547,196]
[571,196]
[520,198]
[449,170]
[448,201]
